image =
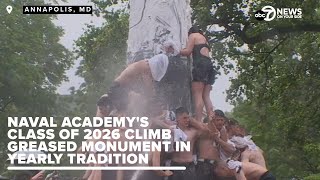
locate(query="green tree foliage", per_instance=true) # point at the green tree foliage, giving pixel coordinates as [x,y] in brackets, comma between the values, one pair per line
[103,53]
[32,65]
[276,90]
[313,177]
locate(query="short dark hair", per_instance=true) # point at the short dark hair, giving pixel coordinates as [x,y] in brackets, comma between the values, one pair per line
[232,122]
[104,101]
[219,113]
[195,29]
[206,119]
[181,110]
[118,96]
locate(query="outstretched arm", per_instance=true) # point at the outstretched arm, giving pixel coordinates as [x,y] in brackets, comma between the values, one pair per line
[190,44]
[158,122]
[198,125]
[204,129]
[223,141]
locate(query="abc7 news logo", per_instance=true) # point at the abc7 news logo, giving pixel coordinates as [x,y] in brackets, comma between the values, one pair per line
[260,15]
[267,13]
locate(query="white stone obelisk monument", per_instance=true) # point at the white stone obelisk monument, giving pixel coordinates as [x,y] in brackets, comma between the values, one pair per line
[154,21]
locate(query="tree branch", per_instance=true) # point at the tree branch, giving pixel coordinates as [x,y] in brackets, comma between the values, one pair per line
[274,48]
[268,34]
[5,105]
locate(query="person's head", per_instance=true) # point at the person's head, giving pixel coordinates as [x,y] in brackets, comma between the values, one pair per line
[170,48]
[182,116]
[195,29]
[242,131]
[104,104]
[206,119]
[219,119]
[233,127]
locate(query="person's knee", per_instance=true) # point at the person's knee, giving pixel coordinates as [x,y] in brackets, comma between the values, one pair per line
[198,102]
[205,97]
[206,92]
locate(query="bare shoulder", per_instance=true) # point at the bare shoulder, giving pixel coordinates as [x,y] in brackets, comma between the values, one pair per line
[245,152]
[192,37]
[194,131]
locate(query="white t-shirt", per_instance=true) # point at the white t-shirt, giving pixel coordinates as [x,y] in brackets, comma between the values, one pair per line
[158,65]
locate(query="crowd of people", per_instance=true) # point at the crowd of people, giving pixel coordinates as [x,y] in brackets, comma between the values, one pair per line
[220,146]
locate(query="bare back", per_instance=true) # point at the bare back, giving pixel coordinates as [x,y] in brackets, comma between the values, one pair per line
[253,171]
[253,156]
[200,39]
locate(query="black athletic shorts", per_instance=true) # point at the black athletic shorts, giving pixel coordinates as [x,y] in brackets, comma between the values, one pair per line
[118,96]
[205,170]
[188,174]
[148,175]
[203,70]
[267,176]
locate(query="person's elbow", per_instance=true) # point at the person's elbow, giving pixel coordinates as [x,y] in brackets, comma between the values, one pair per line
[229,148]
[233,149]
[185,52]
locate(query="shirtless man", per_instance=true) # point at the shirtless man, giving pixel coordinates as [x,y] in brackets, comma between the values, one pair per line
[250,171]
[253,156]
[225,148]
[140,77]
[103,109]
[209,144]
[249,151]
[185,158]
[233,128]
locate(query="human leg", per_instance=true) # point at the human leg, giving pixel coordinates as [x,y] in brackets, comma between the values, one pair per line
[203,73]
[197,90]
[132,72]
[87,174]
[206,99]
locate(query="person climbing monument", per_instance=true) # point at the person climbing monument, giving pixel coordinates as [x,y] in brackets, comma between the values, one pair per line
[140,77]
[203,72]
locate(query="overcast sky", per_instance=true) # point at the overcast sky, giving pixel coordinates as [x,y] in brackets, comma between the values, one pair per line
[74,25]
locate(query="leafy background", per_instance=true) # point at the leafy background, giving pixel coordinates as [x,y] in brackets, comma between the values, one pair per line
[276,92]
